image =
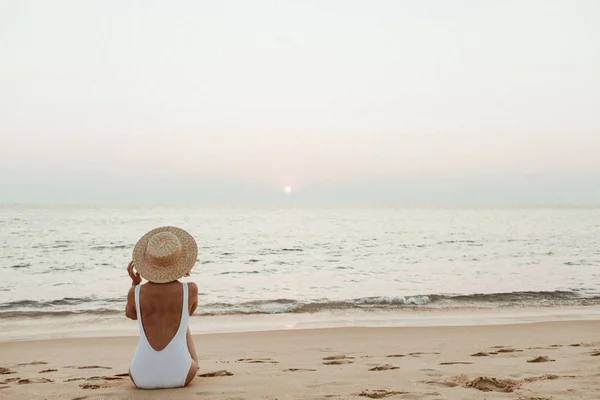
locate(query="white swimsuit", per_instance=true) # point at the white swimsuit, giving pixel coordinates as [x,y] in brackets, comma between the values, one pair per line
[168,368]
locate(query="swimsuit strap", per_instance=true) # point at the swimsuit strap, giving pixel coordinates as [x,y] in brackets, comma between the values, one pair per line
[138,310]
[184,309]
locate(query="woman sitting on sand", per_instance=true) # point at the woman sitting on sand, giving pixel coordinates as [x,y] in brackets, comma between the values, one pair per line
[166,355]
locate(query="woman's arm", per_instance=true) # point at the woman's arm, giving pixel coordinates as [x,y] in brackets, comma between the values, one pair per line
[130,310]
[136,279]
[193,297]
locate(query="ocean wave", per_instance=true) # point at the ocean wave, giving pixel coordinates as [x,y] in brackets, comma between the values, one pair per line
[264,252]
[240,272]
[112,247]
[24,265]
[457,241]
[53,314]
[580,262]
[478,300]
[73,306]
[65,301]
[71,268]
[391,300]
[517,298]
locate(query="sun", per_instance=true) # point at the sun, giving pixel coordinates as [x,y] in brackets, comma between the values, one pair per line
[287,189]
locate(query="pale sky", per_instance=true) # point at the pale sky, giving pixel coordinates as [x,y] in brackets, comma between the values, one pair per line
[345,101]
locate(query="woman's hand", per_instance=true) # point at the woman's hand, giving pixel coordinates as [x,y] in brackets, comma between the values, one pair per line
[135,277]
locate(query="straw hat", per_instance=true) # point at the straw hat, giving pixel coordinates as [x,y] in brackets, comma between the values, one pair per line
[165,254]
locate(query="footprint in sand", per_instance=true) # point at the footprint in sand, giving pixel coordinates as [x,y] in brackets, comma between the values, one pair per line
[74,379]
[6,371]
[547,377]
[10,380]
[34,380]
[540,359]
[216,374]
[534,398]
[109,382]
[379,393]
[396,355]
[87,367]
[104,378]
[299,369]
[34,363]
[96,378]
[342,357]
[257,361]
[501,351]
[338,360]
[456,363]
[481,354]
[112,378]
[486,384]
[385,367]
[48,370]
[89,386]
[123,374]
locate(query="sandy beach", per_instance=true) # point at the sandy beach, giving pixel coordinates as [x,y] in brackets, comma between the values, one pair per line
[538,361]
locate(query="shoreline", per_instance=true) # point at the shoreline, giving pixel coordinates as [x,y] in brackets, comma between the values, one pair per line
[422,363]
[535,326]
[85,326]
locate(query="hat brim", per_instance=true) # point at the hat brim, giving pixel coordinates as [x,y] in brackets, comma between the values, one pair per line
[160,274]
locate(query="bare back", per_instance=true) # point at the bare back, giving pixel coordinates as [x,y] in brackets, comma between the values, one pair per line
[161,307]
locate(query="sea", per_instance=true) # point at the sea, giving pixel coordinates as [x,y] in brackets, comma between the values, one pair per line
[63,269]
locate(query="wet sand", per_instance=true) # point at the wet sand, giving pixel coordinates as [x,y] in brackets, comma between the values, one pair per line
[537,361]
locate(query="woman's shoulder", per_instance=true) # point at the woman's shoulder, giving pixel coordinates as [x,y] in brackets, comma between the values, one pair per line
[192,291]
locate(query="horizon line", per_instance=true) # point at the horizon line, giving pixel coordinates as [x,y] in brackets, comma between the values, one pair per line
[300,206]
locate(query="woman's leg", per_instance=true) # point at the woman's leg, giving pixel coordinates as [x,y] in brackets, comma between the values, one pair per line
[192,349]
[131,377]
[192,372]
[191,346]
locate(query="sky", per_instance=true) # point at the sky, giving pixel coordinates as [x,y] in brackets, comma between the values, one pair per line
[347,102]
